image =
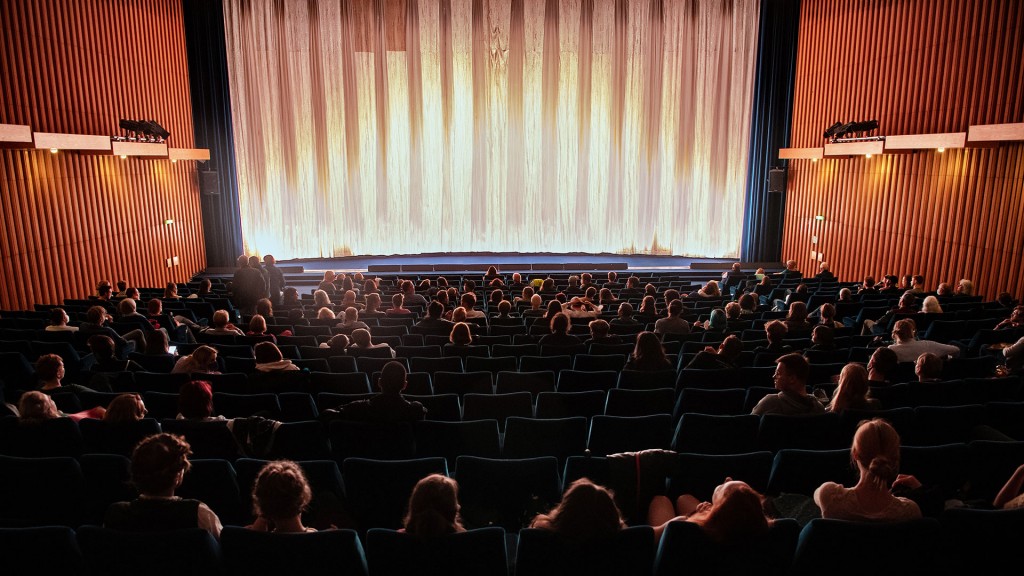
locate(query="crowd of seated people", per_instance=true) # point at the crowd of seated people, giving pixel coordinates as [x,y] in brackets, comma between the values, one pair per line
[726,319]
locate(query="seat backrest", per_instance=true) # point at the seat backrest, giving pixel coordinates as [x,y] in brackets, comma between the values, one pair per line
[532,381]
[614,434]
[623,402]
[120,553]
[567,404]
[629,552]
[377,491]
[911,547]
[453,439]
[585,381]
[700,474]
[506,492]
[480,551]
[716,434]
[797,471]
[22,549]
[558,437]
[25,482]
[686,548]
[497,406]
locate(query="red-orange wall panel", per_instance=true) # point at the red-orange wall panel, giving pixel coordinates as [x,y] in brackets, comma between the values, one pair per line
[70,220]
[917,66]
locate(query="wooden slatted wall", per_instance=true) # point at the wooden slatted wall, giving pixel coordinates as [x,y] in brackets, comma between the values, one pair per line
[70,220]
[917,66]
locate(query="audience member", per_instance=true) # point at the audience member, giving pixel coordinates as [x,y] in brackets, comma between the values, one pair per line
[269,358]
[907,348]
[735,515]
[928,368]
[124,409]
[202,360]
[674,323]
[279,496]
[59,321]
[35,406]
[648,355]
[586,512]
[433,508]
[600,333]
[852,391]
[389,406]
[726,356]
[159,464]
[791,373]
[1010,495]
[876,454]
[559,336]
[361,340]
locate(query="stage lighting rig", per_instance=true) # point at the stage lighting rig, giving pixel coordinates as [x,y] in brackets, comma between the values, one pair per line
[852,131]
[142,131]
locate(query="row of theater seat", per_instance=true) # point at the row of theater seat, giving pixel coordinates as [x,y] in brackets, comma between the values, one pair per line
[490,435]
[954,541]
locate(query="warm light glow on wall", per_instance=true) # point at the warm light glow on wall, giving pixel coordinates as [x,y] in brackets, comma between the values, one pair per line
[467,125]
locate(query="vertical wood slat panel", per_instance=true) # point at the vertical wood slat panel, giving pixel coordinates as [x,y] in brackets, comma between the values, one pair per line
[70,220]
[924,67]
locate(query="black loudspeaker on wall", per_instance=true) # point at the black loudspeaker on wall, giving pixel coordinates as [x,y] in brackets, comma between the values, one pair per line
[777,180]
[209,183]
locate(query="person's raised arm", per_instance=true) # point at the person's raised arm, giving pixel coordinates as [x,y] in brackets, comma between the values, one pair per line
[1011,489]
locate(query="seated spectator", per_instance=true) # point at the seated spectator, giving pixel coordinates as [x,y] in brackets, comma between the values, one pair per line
[876,453]
[371,307]
[350,320]
[931,305]
[220,325]
[338,343]
[321,299]
[599,333]
[433,508]
[823,337]
[827,316]
[35,406]
[734,516]
[536,302]
[398,306]
[195,401]
[649,354]
[559,336]
[122,289]
[1014,356]
[157,344]
[1016,319]
[581,308]
[726,356]
[97,321]
[717,323]
[526,296]
[624,315]
[203,360]
[791,373]
[269,358]
[748,304]
[944,289]
[648,306]
[796,317]
[881,366]
[586,512]
[496,297]
[128,314]
[50,374]
[632,289]
[125,408]
[824,273]
[176,326]
[348,300]
[325,313]
[674,323]
[468,301]
[434,322]
[389,406]
[102,350]
[800,294]
[159,464]
[606,299]
[460,336]
[1010,495]
[296,317]
[205,289]
[265,308]
[327,284]
[775,331]
[613,281]
[908,348]
[290,298]
[852,391]
[733,311]
[409,295]
[279,496]
[258,327]
[458,315]
[59,321]
[505,311]
[361,340]
[928,368]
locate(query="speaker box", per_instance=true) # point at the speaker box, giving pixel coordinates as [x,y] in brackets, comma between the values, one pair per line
[209,183]
[777,180]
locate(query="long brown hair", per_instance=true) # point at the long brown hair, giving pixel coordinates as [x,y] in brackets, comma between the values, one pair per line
[736,513]
[434,507]
[587,511]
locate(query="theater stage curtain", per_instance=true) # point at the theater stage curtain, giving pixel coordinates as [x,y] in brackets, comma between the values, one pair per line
[419,126]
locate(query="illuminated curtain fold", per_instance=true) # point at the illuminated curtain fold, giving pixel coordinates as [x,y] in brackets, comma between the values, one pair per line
[418,126]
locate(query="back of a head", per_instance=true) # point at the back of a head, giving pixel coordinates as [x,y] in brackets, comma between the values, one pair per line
[47,366]
[560,323]
[587,511]
[158,461]
[267,352]
[281,491]
[775,330]
[504,307]
[392,378]
[126,306]
[195,399]
[852,387]
[928,367]
[904,329]
[797,311]
[36,406]
[823,335]
[435,309]
[876,449]
[95,314]
[599,328]
[125,408]
[736,515]
[220,319]
[884,361]
[730,348]
[433,508]
[101,346]
[675,308]
[461,335]
[732,310]
[360,337]
[57,316]
[156,342]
